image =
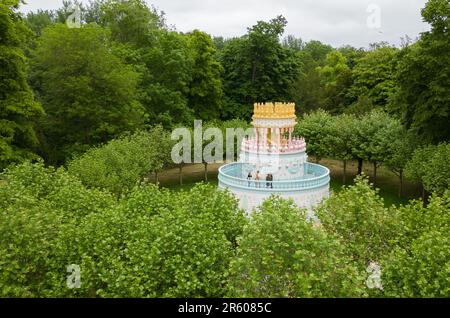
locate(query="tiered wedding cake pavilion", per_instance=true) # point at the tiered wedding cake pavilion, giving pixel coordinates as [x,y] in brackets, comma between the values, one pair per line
[273,150]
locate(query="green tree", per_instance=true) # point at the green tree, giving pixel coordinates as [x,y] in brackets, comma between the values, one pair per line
[39,20]
[130,21]
[175,244]
[150,243]
[257,68]
[184,250]
[318,51]
[236,83]
[336,78]
[41,203]
[205,89]
[281,254]
[401,144]
[352,54]
[373,134]
[335,64]
[291,42]
[357,216]
[389,133]
[417,166]
[167,74]
[339,139]
[308,90]
[419,266]
[162,58]
[373,77]
[423,77]
[437,176]
[122,163]
[95,98]
[18,107]
[272,68]
[315,127]
[429,165]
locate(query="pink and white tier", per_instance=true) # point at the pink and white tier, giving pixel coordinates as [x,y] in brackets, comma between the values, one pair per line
[291,146]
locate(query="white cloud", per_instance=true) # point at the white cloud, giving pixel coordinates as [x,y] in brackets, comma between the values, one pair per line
[337,22]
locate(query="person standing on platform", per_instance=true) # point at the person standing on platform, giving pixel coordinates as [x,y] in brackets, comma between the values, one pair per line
[258,179]
[249,178]
[269,180]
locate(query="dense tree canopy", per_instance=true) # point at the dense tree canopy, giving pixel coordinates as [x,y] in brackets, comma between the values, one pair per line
[18,107]
[335,76]
[373,77]
[419,265]
[167,67]
[123,162]
[257,68]
[281,254]
[179,243]
[368,227]
[205,89]
[375,137]
[130,21]
[423,79]
[339,139]
[88,93]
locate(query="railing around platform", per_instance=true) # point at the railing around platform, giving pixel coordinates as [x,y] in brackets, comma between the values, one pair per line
[316,176]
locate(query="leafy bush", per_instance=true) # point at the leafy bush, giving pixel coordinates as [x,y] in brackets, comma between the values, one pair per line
[119,165]
[37,206]
[158,243]
[419,266]
[280,254]
[314,128]
[357,215]
[169,249]
[151,243]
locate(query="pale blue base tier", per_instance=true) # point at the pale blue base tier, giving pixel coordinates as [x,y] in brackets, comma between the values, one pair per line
[306,191]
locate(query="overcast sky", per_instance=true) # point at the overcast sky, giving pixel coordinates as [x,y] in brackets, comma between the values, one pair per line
[336,22]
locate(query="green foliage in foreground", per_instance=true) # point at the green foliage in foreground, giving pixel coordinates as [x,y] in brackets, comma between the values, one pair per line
[281,254]
[153,243]
[39,206]
[357,215]
[158,243]
[420,265]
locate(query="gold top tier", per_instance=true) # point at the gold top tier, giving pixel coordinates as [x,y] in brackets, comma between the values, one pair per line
[274,110]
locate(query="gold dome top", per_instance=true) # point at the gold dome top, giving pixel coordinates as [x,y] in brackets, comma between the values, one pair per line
[274,110]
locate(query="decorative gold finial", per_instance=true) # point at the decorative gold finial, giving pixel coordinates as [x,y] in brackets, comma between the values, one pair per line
[274,110]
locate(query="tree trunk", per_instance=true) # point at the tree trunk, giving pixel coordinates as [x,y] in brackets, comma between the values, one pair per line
[156,178]
[344,177]
[360,166]
[400,190]
[424,196]
[181,174]
[375,166]
[206,171]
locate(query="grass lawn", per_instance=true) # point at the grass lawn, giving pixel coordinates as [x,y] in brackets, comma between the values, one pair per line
[387,181]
